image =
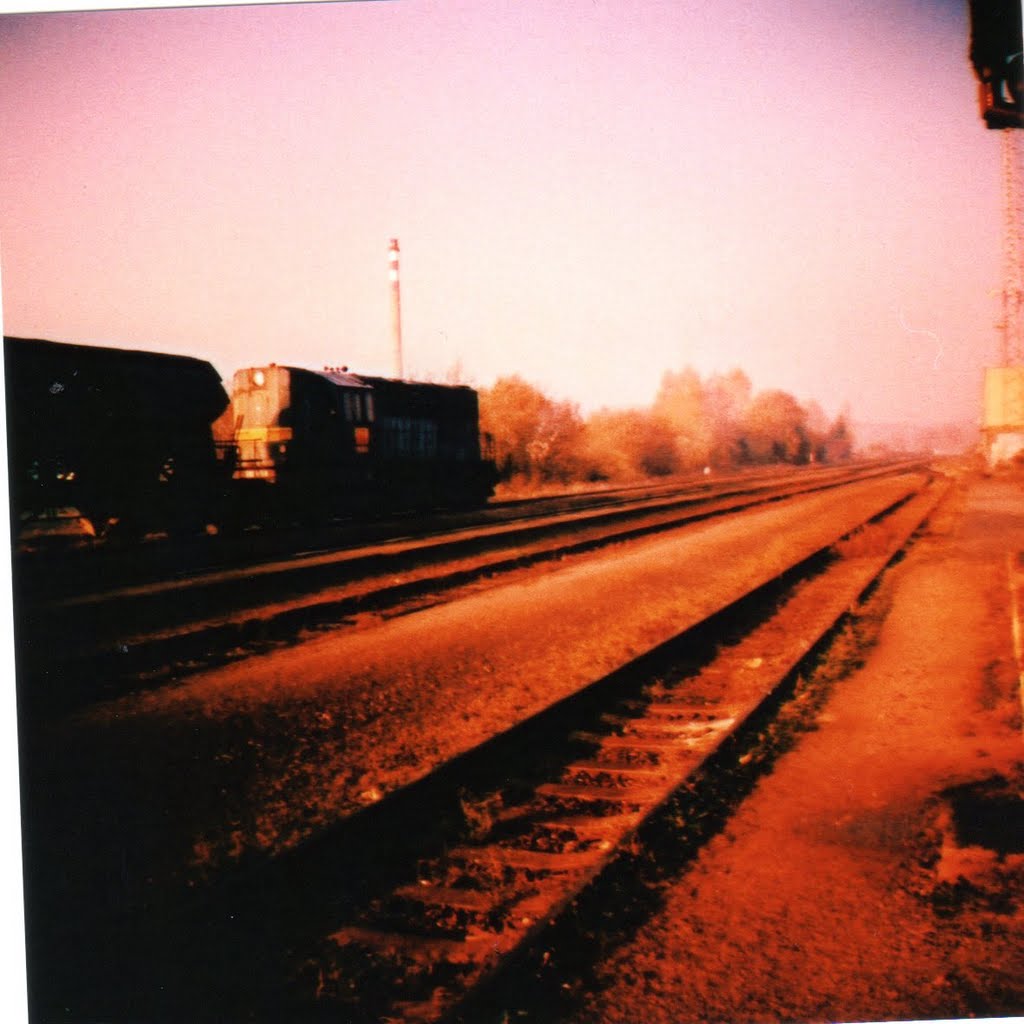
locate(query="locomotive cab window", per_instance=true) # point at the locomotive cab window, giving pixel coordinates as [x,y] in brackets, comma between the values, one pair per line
[358,406]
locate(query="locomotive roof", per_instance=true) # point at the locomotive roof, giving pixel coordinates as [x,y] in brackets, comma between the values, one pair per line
[342,378]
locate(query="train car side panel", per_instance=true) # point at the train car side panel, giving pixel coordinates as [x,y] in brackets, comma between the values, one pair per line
[121,435]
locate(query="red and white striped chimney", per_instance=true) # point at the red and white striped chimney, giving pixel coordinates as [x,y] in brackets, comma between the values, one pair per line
[396,309]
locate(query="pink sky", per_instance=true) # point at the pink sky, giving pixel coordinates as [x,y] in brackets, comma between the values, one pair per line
[586,193]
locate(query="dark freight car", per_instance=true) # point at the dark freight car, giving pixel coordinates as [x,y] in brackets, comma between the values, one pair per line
[313,443]
[122,436]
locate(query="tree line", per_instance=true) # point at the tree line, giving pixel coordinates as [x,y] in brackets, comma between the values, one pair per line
[719,423]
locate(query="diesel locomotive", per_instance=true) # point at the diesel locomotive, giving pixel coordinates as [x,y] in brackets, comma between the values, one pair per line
[140,442]
[306,442]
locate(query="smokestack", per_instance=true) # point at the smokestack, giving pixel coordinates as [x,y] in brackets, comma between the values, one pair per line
[396,309]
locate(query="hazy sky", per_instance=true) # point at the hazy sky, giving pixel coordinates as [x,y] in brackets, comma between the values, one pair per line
[586,192]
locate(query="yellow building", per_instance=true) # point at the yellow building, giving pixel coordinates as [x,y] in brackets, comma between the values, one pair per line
[1003,420]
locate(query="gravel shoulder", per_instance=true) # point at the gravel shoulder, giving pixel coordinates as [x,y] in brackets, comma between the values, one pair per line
[878,872]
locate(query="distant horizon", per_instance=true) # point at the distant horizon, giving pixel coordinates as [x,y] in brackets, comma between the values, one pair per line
[854,420]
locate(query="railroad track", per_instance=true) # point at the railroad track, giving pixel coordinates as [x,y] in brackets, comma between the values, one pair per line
[117,638]
[465,877]
[94,564]
[441,939]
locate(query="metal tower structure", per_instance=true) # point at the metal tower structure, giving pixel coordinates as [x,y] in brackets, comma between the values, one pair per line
[1011,325]
[997,54]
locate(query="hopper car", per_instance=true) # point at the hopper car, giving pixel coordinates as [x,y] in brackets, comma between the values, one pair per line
[122,436]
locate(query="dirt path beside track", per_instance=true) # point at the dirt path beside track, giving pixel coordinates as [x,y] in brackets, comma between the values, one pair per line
[878,872]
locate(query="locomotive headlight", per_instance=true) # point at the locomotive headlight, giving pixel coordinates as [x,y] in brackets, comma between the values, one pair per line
[258,379]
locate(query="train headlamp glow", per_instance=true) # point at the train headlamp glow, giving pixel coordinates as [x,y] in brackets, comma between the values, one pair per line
[258,379]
